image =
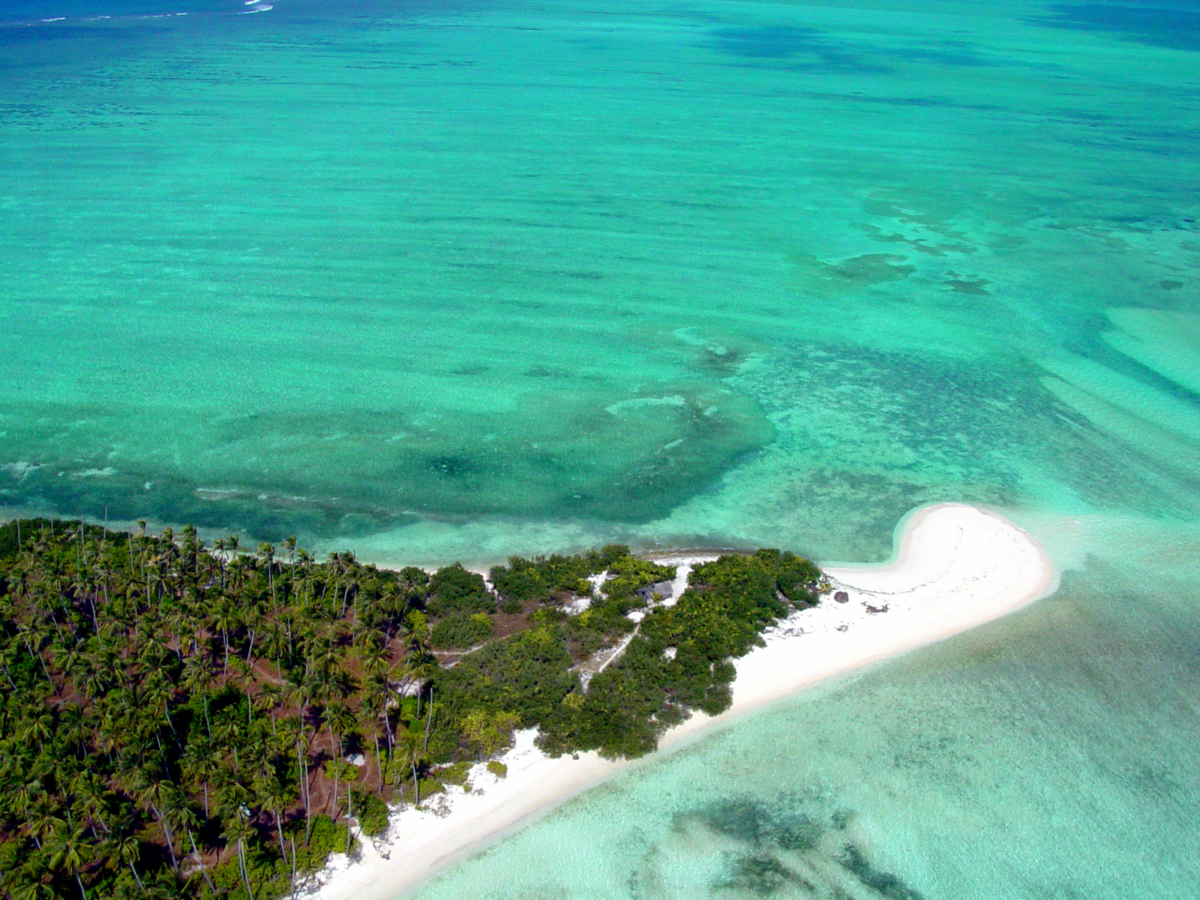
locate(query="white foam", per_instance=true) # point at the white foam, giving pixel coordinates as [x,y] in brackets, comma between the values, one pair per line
[96,473]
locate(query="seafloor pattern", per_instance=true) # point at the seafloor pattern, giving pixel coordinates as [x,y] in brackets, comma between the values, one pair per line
[458,280]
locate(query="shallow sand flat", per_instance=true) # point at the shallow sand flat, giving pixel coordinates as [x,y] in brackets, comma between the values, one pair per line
[956,567]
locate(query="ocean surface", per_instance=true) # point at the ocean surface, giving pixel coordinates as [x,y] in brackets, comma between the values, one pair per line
[461,279]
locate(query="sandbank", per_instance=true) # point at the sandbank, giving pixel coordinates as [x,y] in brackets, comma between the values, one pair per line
[955,567]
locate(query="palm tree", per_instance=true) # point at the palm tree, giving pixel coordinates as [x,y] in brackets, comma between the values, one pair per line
[295,733]
[246,673]
[159,795]
[33,635]
[200,764]
[158,694]
[266,553]
[289,544]
[189,548]
[267,700]
[67,851]
[35,890]
[20,793]
[237,830]
[410,744]
[91,798]
[43,820]
[275,641]
[225,617]
[229,735]
[200,863]
[123,849]
[375,698]
[67,656]
[219,546]
[39,728]
[198,673]
[339,719]
[274,796]
[373,652]
[183,818]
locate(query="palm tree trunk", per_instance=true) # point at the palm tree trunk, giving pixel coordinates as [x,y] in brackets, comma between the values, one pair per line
[167,715]
[12,683]
[337,770]
[167,835]
[44,669]
[378,760]
[304,792]
[199,862]
[428,722]
[242,867]
[279,829]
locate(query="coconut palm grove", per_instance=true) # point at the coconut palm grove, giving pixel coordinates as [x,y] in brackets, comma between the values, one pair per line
[180,720]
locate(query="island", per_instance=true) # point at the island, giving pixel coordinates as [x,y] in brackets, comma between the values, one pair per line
[183,720]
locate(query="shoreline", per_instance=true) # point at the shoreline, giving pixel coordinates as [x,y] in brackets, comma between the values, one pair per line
[954,567]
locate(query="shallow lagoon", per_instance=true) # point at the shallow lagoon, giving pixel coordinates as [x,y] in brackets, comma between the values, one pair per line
[462,280]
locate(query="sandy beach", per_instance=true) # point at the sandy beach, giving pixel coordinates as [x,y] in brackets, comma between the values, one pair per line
[955,567]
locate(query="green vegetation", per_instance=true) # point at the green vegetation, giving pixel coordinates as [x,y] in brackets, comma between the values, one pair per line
[177,721]
[460,630]
[628,574]
[552,579]
[489,733]
[455,773]
[680,659]
[371,812]
[455,590]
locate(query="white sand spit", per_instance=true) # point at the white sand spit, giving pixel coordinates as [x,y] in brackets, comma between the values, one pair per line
[956,567]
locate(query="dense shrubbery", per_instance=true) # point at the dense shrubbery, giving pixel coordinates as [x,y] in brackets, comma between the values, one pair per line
[526,676]
[327,837]
[680,660]
[489,732]
[455,590]
[600,624]
[461,630]
[628,574]
[371,813]
[550,579]
[455,773]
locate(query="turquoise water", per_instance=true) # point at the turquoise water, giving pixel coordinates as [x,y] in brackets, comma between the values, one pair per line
[458,280]
[996,766]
